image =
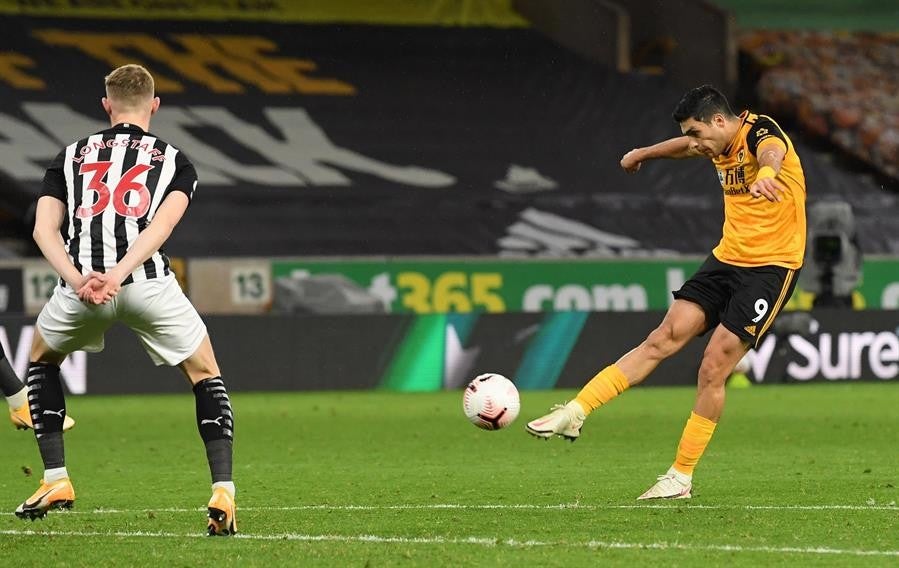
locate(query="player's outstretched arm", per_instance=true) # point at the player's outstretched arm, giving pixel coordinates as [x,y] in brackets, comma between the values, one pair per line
[678,147]
[150,239]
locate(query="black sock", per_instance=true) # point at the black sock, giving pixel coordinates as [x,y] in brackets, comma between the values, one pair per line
[215,422]
[53,451]
[48,410]
[9,382]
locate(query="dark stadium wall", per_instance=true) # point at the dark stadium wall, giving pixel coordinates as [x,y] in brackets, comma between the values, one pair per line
[443,351]
[691,42]
[471,141]
[597,30]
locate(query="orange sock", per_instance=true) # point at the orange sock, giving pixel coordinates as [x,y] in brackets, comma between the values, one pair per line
[693,441]
[606,385]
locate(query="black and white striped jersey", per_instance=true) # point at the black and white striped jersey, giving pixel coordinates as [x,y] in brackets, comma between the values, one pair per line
[112,183]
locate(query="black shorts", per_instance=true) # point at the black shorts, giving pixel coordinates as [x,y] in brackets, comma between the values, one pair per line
[743,299]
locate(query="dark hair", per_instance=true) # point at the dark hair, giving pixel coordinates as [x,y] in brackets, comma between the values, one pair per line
[701,103]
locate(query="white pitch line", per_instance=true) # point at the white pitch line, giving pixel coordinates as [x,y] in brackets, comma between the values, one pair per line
[481,541]
[502,506]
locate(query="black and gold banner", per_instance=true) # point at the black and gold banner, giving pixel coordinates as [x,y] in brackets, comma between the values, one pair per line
[496,13]
[348,139]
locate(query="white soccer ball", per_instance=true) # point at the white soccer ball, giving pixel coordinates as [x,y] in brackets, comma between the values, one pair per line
[491,401]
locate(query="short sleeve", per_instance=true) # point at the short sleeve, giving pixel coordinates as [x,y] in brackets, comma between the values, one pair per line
[54,179]
[185,178]
[763,130]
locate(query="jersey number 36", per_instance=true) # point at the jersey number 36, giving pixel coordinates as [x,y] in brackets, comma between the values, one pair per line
[120,195]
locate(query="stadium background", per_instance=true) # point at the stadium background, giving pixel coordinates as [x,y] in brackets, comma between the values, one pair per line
[400,195]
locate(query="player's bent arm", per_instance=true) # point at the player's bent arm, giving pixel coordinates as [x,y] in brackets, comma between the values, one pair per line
[770,157]
[48,220]
[152,238]
[678,147]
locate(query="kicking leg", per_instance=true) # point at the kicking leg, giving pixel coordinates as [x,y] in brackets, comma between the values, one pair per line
[684,321]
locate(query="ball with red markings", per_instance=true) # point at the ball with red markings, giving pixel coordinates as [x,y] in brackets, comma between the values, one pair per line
[491,401]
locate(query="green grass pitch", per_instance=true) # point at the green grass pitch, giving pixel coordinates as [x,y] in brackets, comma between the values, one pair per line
[795,475]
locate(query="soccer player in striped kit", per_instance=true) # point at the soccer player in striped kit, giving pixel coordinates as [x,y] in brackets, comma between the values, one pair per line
[738,290]
[109,202]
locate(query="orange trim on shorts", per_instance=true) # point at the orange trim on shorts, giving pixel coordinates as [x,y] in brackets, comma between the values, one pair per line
[777,305]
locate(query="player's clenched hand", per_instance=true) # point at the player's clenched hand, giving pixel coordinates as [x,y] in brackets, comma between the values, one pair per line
[630,162]
[106,292]
[90,288]
[88,282]
[112,284]
[95,289]
[768,188]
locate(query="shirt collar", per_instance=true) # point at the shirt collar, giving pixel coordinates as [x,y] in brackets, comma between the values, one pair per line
[127,126]
[730,147]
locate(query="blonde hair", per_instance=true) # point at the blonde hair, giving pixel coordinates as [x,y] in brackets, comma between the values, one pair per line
[130,85]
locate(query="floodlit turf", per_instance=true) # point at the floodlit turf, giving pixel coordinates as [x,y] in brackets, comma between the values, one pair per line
[796,475]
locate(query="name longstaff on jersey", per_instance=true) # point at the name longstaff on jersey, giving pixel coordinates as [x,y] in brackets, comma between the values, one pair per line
[112,183]
[134,144]
[759,232]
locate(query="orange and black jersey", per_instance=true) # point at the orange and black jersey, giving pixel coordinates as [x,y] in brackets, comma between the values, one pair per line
[759,232]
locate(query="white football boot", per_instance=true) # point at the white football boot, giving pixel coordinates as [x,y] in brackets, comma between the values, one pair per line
[672,485]
[564,420]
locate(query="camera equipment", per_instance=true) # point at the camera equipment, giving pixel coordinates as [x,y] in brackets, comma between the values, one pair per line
[833,258]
